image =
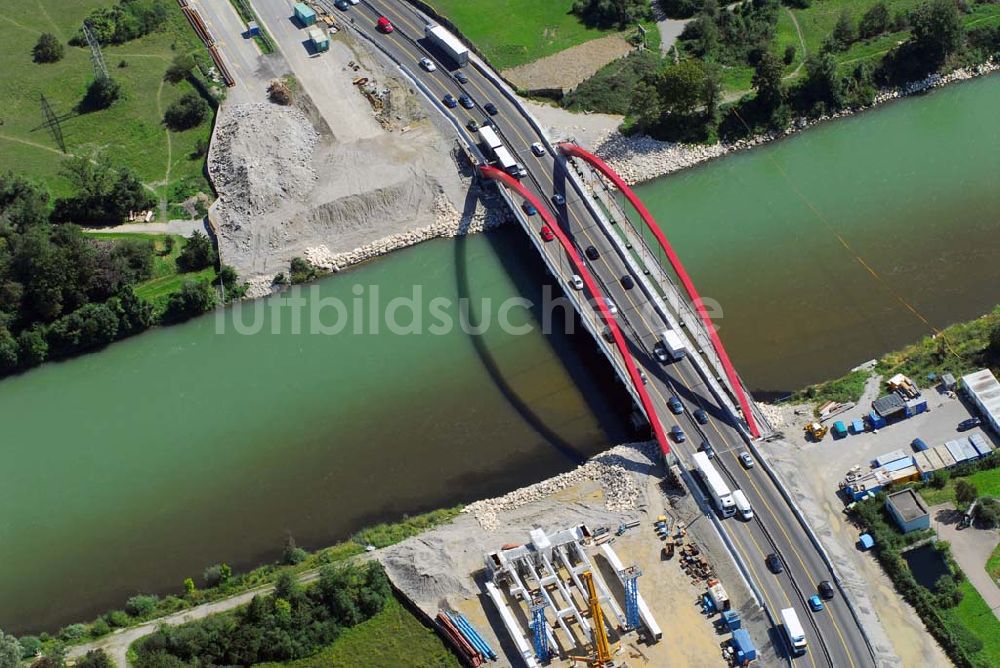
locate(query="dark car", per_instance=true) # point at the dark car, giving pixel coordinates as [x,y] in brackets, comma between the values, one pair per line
[592,253]
[676,407]
[472,125]
[558,199]
[466,101]
[342,5]
[661,353]
[700,416]
[461,78]
[707,448]
[971,423]
[627,282]
[450,101]
[774,563]
[490,109]
[529,208]
[825,589]
[678,434]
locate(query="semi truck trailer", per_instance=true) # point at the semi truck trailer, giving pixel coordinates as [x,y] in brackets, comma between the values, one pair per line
[448,43]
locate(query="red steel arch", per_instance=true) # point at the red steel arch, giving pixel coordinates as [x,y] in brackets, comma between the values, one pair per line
[576,151]
[498,175]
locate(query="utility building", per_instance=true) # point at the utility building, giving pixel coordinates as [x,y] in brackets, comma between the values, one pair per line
[909,510]
[984,391]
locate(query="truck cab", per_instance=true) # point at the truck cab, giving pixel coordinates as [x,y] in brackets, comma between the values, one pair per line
[673,345]
[384,25]
[742,504]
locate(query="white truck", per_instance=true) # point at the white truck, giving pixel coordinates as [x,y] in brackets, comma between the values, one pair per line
[673,345]
[448,43]
[742,504]
[717,489]
[793,630]
[497,152]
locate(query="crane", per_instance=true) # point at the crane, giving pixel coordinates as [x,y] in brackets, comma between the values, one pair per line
[602,648]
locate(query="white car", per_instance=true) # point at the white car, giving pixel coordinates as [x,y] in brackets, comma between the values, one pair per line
[576,282]
[538,149]
[428,64]
[612,309]
[354,2]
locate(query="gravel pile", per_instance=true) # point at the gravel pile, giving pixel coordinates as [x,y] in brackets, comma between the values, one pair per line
[641,158]
[260,156]
[610,468]
[449,223]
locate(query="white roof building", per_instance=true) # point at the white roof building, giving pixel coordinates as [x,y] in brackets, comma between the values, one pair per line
[984,391]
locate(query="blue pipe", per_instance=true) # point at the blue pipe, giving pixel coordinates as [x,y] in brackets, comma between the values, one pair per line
[477,640]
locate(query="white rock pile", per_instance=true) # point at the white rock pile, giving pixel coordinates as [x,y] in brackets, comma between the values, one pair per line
[610,468]
[260,156]
[641,158]
[449,223]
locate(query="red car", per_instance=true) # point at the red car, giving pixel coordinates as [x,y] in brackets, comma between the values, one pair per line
[547,234]
[384,25]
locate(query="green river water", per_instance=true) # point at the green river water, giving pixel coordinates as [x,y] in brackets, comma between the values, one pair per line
[130,469]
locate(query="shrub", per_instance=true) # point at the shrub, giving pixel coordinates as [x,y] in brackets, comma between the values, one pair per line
[117,618]
[194,298]
[965,492]
[73,632]
[128,20]
[95,658]
[293,554]
[940,479]
[988,512]
[179,69]
[48,49]
[141,605]
[217,575]
[187,112]
[30,646]
[789,56]
[99,628]
[875,21]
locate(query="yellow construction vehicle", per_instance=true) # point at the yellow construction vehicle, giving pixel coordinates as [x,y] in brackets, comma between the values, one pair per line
[816,431]
[602,648]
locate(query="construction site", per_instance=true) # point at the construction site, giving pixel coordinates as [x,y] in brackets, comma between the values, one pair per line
[611,564]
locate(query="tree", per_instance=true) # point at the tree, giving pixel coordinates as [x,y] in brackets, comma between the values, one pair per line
[948,593]
[105,193]
[286,586]
[875,21]
[682,88]
[198,253]
[822,85]
[194,298]
[937,31]
[646,104]
[10,651]
[767,81]
[101,94]
[965,492]
[994,346]
[988,512]
[48,49]
[189,587]
[8,351]
[179,69]
[187,112]
[843,34]
[608,13]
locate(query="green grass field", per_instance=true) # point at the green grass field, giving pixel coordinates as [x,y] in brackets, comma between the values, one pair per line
[393,637]
[987,482]
[514,32]
[976,616]
[166,279]
[130,131]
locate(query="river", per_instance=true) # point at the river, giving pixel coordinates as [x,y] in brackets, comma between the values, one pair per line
[128,470]
[816,247]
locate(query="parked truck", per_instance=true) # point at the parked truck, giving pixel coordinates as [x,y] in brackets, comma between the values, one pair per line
[448,43]
[793,631]
[673,344]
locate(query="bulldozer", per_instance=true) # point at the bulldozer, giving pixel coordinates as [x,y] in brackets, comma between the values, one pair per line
[816,431]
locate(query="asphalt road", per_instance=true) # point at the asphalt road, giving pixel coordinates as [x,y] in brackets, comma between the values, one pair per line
[834,637]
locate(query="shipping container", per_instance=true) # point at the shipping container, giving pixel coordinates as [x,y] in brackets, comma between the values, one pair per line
[898,464]
[305,14]
[982,446]
[957,452]
[945,454]
[888,457]
[876,420]
[968,450]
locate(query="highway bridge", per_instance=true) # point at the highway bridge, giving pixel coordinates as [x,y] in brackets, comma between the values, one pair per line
[662,297]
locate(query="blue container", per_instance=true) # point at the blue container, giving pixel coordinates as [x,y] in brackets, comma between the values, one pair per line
[744,647]
[876,420]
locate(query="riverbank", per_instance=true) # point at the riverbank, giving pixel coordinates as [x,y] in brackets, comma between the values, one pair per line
[640,158]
